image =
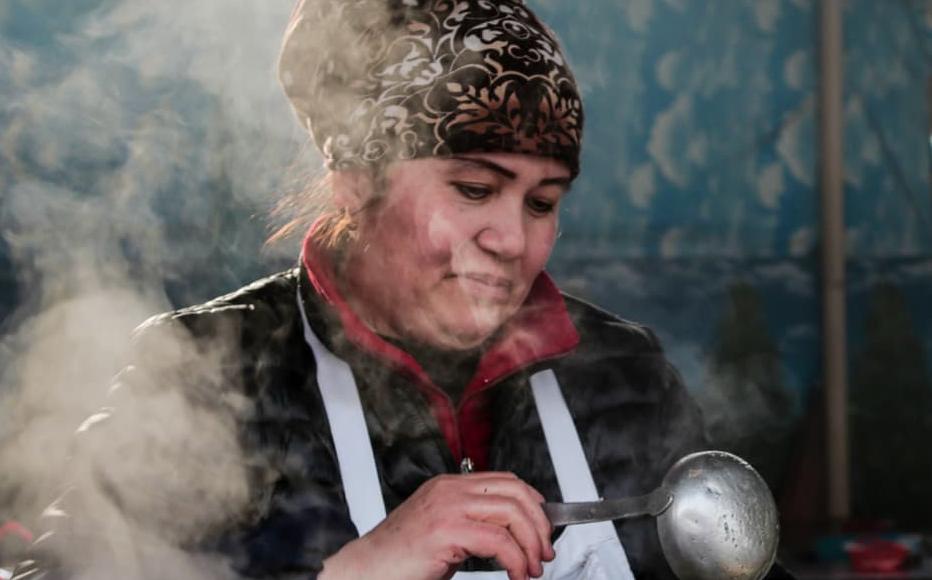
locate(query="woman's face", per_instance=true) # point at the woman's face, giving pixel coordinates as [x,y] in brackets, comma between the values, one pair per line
[450,251]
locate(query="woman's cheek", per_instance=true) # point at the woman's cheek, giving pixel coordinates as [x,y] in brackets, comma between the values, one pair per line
[437,224]
[439,231]
[543,247]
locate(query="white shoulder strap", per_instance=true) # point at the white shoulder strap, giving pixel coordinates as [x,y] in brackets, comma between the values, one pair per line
[590,551]
[350,435]
[566,450]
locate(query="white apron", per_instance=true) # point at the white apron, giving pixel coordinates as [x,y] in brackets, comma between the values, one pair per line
[583,552]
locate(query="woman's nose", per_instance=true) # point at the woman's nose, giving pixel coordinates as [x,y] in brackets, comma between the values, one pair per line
[504,232]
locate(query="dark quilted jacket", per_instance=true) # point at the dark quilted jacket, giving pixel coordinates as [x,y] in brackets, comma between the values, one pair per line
[270,504]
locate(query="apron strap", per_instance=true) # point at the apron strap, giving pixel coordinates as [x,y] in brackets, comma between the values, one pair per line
[353,447]
[596,543]
[566,450]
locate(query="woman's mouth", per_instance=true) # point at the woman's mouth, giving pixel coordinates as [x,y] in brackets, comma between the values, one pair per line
[486,286]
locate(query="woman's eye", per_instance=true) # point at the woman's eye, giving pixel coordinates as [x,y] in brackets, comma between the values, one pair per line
[474,192]
[540,206]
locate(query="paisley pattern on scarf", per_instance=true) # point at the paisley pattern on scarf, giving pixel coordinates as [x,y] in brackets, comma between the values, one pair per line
[379,80]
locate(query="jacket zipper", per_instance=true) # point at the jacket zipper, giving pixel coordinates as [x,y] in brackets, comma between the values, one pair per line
[459,406]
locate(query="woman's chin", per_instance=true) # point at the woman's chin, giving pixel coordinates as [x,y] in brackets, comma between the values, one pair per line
[463,336]
[457,326]
[471,336]
[455,339]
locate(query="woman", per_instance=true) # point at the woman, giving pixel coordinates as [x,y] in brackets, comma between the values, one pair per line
[406,399]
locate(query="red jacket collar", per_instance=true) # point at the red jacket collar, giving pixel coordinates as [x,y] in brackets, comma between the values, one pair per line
[540,330]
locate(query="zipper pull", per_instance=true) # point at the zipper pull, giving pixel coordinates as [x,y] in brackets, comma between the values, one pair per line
[466,465]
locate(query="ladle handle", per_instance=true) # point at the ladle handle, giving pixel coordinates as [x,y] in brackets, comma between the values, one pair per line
[584,512]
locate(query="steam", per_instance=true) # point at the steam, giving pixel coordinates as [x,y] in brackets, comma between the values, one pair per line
[131,134]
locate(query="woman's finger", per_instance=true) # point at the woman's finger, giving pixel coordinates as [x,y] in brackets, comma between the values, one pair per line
[529,498]
[492,541]
[512,515]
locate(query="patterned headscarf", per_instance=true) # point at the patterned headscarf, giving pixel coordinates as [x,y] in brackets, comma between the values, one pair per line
[380,80]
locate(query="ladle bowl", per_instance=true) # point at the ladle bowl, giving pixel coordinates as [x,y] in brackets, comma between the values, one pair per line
[722,523]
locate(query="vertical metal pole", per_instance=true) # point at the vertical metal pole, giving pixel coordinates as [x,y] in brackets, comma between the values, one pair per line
[833,259]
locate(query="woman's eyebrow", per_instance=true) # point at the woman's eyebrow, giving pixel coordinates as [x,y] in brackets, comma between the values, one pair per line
[561,181]
[485,164]
[507,173]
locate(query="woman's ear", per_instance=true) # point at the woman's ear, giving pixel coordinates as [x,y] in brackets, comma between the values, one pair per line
[352,189]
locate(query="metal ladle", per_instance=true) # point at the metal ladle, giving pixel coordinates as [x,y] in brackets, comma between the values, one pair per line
[716,517]
[723,521]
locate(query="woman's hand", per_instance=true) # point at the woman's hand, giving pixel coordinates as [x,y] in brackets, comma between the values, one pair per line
[449,518]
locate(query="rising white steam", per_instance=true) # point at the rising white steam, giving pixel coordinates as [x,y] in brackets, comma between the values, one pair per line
[132,135]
